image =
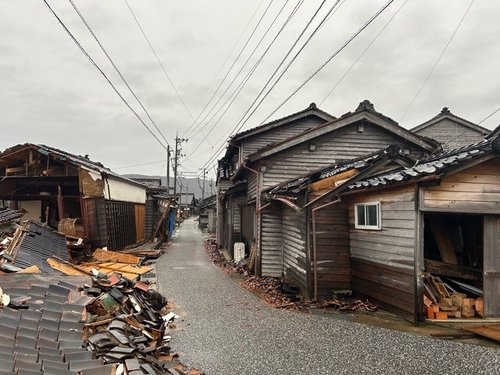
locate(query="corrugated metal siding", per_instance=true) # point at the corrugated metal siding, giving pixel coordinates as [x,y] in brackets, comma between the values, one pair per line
[345,144]
[236,209]
[121,224]
[295,261]
[451,134]
[251,186]
[383,260]
[272,243]
[150,217]
[264,139]
[332,250]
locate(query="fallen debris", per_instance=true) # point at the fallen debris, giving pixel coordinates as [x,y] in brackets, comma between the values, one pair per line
[217,258]
[443,302]
[348,305]
[86,325]
[274,292]
[491,331]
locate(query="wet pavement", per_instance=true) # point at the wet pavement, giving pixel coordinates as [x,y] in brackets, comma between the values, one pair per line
[227,330]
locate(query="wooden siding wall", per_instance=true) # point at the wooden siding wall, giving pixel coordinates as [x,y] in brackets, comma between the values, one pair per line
[473,190]
[94,221]
[492,266]
[383,260]
[344,144]
[255,143]
[451,134]
[295,258]
[272,243]
[332,249]
[140,221]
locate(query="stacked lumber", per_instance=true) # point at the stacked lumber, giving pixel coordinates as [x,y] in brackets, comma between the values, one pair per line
[441,303]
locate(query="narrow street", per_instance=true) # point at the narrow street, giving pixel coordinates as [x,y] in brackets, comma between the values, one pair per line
[227,330]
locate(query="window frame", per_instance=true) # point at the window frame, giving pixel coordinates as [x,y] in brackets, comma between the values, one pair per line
[366,226]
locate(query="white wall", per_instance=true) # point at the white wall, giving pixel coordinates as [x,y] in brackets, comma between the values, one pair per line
[115,189]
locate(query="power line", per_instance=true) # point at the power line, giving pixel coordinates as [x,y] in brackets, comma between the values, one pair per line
[240,53]
[232,97]
[158,60]
[116,69]
[102,73]
[487,117]
[363,53]
[139,165]
[437,62]
[349,40]
[240,123]
[284,70]
[226,60]
[238,73]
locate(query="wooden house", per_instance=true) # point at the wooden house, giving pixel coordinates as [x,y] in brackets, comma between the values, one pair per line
[382,232]
[280,235]
[52,184]
[235,217]
[450,130]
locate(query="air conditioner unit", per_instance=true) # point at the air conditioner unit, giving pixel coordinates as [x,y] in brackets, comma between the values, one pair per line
[239,251]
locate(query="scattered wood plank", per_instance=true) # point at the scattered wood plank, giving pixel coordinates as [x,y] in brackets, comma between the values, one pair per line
[113,256]
[491,331]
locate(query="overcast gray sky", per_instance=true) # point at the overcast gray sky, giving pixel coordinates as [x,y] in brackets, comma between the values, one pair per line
[51,94]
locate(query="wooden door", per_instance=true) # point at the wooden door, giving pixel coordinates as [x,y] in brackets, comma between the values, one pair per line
[492,266]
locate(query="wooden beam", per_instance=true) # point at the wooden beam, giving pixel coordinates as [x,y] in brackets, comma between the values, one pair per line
[333,181]
[443,240]
[452,270]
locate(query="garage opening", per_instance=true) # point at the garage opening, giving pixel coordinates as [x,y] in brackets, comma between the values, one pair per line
[454,258]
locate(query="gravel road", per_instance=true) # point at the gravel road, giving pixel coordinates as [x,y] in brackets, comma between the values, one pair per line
[227,330]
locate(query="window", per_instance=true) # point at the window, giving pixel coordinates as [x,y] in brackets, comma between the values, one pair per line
[367,216]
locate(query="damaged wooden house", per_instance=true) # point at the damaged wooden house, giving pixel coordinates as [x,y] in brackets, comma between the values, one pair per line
[52,185]
[388,234]
[277,232]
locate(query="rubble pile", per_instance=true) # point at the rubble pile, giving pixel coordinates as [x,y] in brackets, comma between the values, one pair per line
[217,258]
[348,305]
[127,325]
[274,292]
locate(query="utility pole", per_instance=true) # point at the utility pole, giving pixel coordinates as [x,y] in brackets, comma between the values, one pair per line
[178,149]
[203,186]
[168,170]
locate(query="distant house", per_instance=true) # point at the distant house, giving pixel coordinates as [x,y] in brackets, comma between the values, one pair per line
[450,130]
[278,240]
[208,215]
[52,184]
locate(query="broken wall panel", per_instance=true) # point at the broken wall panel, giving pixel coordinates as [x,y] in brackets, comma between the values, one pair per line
[91,183]
[94,221]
